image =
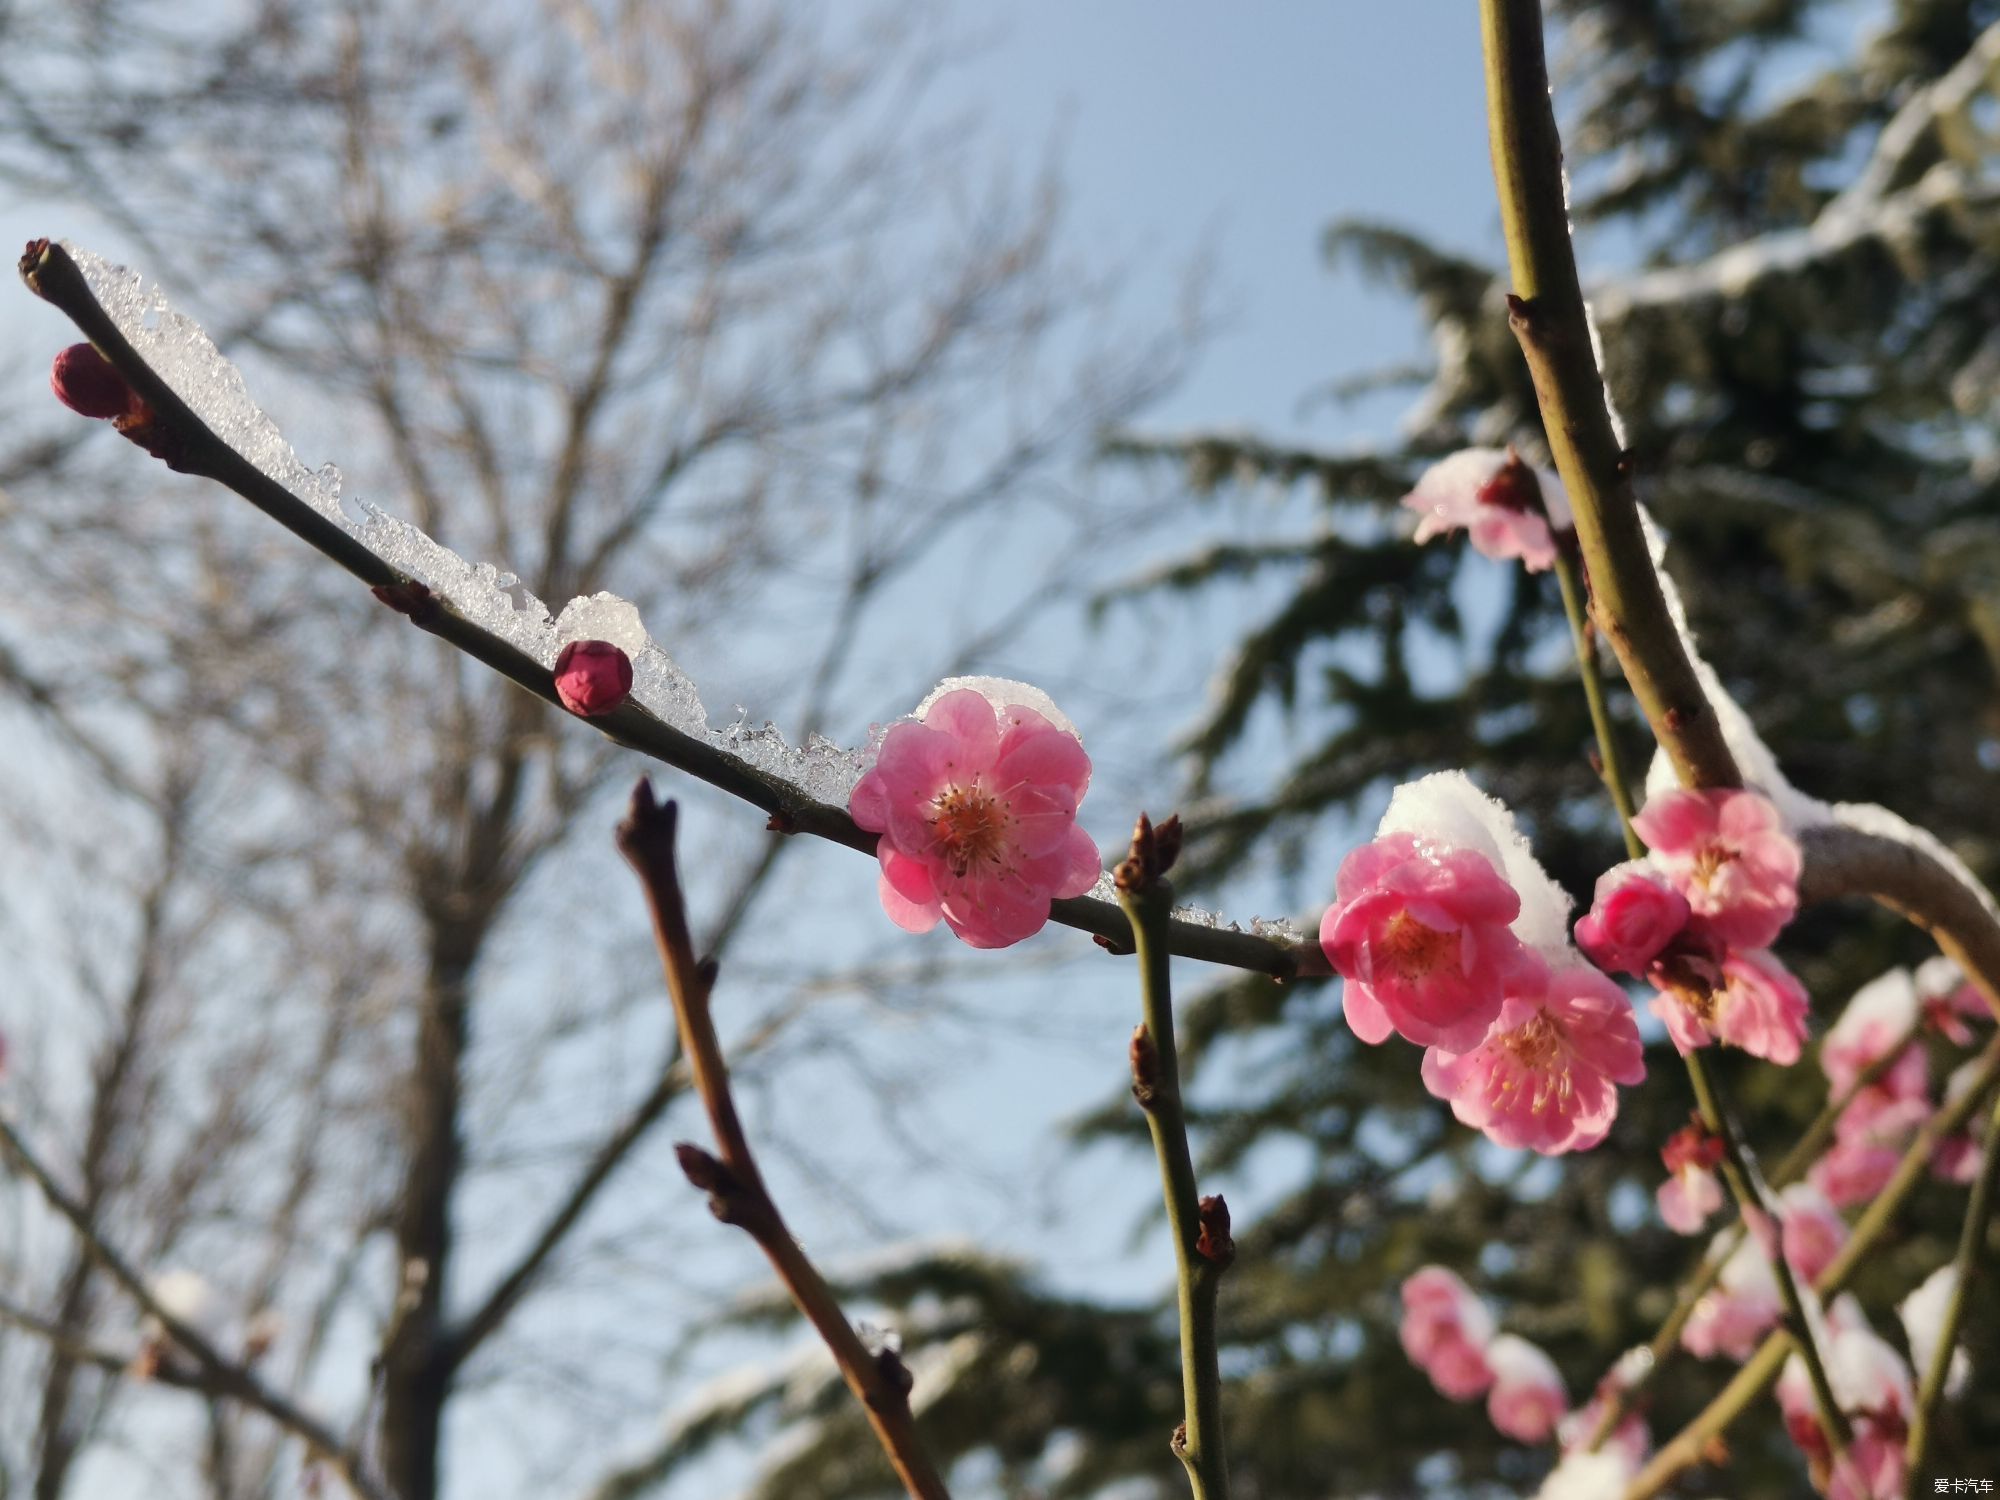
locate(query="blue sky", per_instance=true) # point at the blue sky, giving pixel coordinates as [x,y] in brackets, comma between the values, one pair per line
[1248,128]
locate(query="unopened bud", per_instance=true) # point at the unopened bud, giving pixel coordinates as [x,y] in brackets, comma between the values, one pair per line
[85,382]
[592,677]
[1214,1243]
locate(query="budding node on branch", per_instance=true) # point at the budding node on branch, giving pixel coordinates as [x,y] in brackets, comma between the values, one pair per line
[1153,853]
[1214,1243]
[1145,1067]
[409,598]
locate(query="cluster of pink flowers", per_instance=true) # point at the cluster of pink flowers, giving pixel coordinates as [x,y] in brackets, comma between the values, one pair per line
[975,800]
[1449,1334]
[1876,1389]
[1880,1031]
[1733,1316]
[1526,1041]
[1695,918]
[1509,509]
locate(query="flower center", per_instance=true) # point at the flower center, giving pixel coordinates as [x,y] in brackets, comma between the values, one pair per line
[970,827]
[1416,950]
[1709,862]
[1535,1046]
[1512,487]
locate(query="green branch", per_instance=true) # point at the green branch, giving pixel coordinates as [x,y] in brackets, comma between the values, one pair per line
[1971,1245]
[1200,1226]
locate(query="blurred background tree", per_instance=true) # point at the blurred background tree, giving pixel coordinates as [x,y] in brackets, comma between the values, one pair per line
[710,305]
[684,376]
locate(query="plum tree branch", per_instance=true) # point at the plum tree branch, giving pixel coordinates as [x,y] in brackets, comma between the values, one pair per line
[732,1180]
[53,276]
[1203,1248]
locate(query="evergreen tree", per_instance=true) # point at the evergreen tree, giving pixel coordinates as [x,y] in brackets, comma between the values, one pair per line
[1804,354]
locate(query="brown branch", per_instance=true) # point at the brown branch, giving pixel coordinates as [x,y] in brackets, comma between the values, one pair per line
[735,1185]
[55,278]
[1911,881]
[1546,311]
[217,1373]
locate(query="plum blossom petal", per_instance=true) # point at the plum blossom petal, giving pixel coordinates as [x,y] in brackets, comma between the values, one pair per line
[1748,1000]
[1882,1016]
[976,805]
[1813,1231]
[1691,1192]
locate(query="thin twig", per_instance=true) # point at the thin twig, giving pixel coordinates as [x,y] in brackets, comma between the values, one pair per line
[1971,1249]
[1685,1448]
[1576,605]
[56,279]
[1203,1248]
[217,1373]
[733,1182]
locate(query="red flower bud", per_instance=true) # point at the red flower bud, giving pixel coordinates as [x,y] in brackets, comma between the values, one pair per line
[592,677]
[84,381]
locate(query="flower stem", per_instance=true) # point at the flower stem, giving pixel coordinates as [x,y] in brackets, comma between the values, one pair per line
[1575,594]
[1200,1226]
[1739,1169]
[1971,1242]
[1547,314]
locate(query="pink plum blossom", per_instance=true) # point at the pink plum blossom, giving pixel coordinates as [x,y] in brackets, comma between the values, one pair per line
[1957,1156]
[1545,1076]
[1445,1331]
[592,677]
[976,804]
[1691,1192]
[1498,500]
[1527,1398]
[1812,1229]
[1419,930]
[1633,916]
[1853,1172]
[1949,1000]
[1733,1316]
[1727,852]
[1750,1000]
[1869,1139]
[1874,1389]
[1880,1019]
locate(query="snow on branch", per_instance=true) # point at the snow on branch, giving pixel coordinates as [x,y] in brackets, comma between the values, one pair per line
[210,426]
